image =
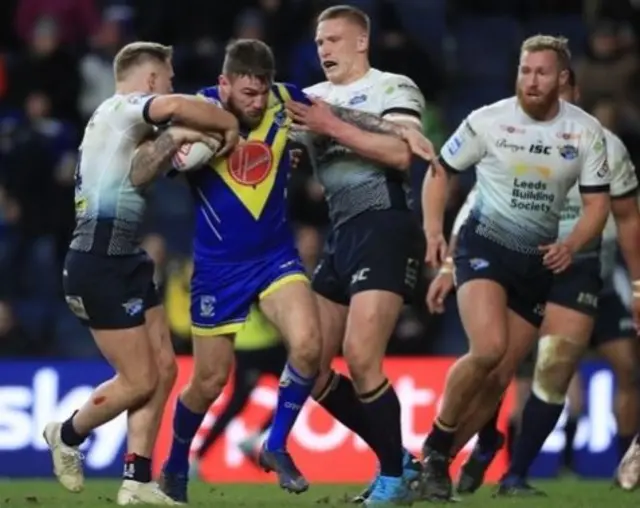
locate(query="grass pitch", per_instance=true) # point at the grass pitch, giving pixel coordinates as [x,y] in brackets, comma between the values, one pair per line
[99,494]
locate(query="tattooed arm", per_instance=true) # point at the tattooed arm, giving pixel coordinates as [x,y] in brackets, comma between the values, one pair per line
[153,158]
[371,123]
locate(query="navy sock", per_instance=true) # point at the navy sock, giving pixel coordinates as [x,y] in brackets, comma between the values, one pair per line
[382,408]
[69,434]
[340,399]
[570,429]
[538,421]
[137,468]
[185,425]
[293,392]
[441,437]
[488,435]
[624,442]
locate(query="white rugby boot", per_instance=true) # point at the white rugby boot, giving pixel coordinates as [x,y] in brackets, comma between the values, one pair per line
[132,492]
[628,472]
[67,460]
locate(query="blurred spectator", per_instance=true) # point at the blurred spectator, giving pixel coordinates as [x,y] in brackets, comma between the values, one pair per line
[77,19]
[608,67]
[96,67]
[13,342]
[49,67]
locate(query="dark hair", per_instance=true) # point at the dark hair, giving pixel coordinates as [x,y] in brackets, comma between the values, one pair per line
[572,81]
[138,53]
[348,12]
[249,57]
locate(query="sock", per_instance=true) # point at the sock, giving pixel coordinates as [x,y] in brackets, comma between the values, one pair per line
[570,429]
[488,435]
[293,392]
[512,432]
[441,437]
[137,468]
[340,399]
[382,409]
[68,433]
[624,442]
[185,425]
[538,421]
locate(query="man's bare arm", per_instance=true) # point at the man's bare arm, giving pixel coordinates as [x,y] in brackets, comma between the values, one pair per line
[369,122]
[153,158]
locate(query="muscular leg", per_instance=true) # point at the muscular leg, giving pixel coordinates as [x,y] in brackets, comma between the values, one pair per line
[565,335]
[483,309]
[213,359]
[621,356]
[336,392]
[372,317]
[143,423]
[293,310]
[244,381]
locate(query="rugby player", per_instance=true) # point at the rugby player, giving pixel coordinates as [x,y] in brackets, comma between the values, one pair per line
[108,277]
[374,254]
[572,298]
[529,151]
[244,252]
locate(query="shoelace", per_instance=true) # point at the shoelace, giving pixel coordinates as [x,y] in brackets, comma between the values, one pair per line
[72,460]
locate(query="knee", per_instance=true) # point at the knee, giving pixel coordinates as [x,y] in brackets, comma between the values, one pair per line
[142,384]
[489,353]
[306,349]
[207,385]
[555,366]
[362,361]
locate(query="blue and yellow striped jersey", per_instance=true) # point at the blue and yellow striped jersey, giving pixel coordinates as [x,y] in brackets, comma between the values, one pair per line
[241,211]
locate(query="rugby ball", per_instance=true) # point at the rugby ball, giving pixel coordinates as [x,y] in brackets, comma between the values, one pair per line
[192,156]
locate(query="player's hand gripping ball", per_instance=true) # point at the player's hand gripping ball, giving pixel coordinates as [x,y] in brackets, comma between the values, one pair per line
[194,155]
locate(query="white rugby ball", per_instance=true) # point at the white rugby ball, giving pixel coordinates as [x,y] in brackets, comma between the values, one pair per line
[192,156]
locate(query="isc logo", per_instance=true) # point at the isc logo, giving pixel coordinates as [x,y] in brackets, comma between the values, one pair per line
[540,149]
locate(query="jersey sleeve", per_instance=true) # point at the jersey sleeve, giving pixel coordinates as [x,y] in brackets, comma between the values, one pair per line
[624,181]
[595,175]
[464,148]
[209,94]
[402,100]
[464,211]
[132,110]
[288,91]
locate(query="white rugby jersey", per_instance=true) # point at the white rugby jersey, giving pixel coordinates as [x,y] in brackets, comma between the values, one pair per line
[352,183]
[623,183]
[109,209]
[525,169]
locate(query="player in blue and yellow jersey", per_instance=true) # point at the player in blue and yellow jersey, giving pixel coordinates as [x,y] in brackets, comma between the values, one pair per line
[244,253]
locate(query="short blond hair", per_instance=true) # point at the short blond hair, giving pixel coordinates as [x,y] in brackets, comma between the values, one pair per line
[558,44]
[138,53]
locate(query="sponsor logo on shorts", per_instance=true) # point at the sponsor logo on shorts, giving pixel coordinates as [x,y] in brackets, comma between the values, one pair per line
[133,307]
[76,305]
[207,306]
[360,276]
[588,299]
[478,264]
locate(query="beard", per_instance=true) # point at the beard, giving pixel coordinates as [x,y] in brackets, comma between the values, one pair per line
[539,107]
[244,119]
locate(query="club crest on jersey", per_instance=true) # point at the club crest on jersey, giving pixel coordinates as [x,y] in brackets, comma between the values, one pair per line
[568,152]
[358,99]
[250,163]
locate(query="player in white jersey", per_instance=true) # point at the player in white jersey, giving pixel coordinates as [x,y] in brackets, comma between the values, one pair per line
[574,297]
[508,250]
[374,254]
[108,278]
